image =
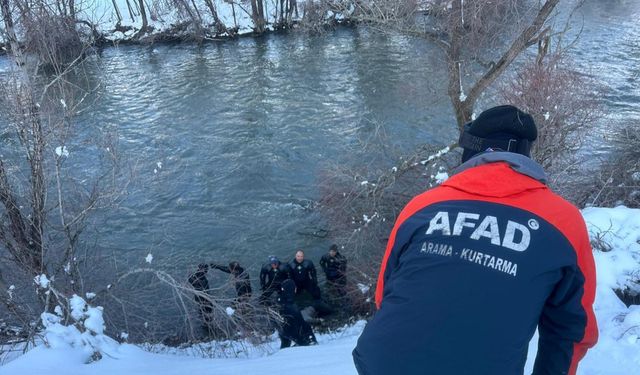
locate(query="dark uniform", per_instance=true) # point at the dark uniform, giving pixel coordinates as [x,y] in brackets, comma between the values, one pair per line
[304,275]
[199,282]
[294,328]
[272,275]
[335,268]
[241,279]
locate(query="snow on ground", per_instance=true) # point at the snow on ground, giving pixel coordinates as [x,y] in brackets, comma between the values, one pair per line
[103,15]
[617,352]
[618,231]
[331,356]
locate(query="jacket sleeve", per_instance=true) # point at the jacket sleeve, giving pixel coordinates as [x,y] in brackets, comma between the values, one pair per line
[323,263]
[398,239]
[312,272]
[287,270]
[263,276]
[567,326]
[219,267]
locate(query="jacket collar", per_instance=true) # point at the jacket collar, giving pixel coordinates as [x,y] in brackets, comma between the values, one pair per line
[519,163]
[498,174]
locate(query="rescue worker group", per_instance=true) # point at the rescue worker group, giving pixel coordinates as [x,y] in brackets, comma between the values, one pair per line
[283,282]
[471,270]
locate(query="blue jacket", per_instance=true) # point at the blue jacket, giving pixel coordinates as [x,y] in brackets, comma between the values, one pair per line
[472,268]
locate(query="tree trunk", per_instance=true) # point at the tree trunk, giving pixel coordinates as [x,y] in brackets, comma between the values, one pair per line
[462,105]
[233,12]
[220,27]
[261,15]
[257,16]
[131,12]
[143,14]
[118,15]
[195,8]
[62,7]
[10,31]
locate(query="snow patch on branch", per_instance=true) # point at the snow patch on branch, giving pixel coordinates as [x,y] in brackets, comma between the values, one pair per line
[62,151]
[364,289]
[42,281]
[438,154]
[10,291]
[462,96]
[77,306]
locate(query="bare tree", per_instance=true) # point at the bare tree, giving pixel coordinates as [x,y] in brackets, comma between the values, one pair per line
[117,10]
[480,39]
[145,22]
[221,28]
[132,13]
[257,15]
[43,205]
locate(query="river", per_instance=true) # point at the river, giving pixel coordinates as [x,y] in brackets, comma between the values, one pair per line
[224,144]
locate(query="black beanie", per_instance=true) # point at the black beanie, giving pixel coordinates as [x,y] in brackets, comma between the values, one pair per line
[503,127]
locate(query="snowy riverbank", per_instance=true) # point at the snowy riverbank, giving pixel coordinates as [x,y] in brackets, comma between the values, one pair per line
[617,231]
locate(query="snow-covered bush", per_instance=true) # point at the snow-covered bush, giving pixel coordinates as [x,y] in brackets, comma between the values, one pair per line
[85,333]
[615,236]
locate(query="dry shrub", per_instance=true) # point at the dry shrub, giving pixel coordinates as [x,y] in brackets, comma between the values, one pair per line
[616,181]
[487,25]
[564,105]
[360,207]
[313,17]
[51,37]
[393,13]
[154,306]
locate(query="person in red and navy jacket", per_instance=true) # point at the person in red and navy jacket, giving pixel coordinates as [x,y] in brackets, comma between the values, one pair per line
[474,266]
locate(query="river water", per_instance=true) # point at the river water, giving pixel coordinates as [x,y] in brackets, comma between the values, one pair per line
[229,141]
[225,144]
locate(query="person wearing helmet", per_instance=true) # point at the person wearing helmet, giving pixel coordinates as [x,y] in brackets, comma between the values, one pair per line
[272,275]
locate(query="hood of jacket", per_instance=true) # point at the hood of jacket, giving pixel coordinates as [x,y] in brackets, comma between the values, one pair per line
[498,174]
